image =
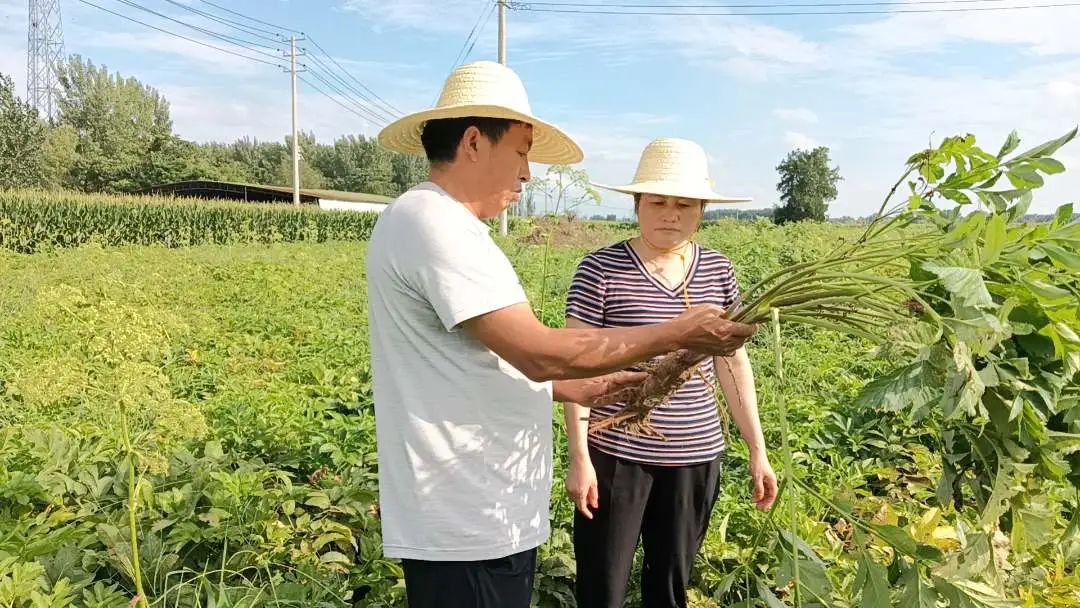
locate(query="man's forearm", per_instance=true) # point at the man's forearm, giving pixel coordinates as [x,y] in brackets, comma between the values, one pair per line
[575,353]
[736,376]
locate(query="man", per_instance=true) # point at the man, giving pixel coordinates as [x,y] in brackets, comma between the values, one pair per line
[464,373]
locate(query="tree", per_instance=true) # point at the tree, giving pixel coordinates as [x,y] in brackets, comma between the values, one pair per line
[562,187]
[806,185]
[22,140]
[409,170]
[310,176]
[355,164]
[59,151]
[120,124]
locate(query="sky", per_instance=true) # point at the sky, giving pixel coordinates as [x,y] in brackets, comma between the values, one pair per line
[873,88]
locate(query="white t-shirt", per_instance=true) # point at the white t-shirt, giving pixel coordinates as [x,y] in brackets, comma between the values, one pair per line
[464,438]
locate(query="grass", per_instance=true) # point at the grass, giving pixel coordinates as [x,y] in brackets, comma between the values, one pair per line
[245,371]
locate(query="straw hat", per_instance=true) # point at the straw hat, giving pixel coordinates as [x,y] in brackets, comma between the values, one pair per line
[489,90]
[674,167]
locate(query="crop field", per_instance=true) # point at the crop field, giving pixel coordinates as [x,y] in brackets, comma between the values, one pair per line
[189,423]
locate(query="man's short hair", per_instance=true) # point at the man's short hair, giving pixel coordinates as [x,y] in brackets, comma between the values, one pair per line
[441,137]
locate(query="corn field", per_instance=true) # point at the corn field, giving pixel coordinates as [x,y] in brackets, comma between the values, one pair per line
[32,221]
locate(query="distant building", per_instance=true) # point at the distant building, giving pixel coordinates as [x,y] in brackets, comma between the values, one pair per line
[253,193]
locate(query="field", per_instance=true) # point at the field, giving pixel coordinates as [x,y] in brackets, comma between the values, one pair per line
[193,426]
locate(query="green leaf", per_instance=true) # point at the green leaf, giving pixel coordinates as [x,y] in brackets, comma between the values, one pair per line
[965,284]
[909,387]
[327,538]
[994,239]
[1048,295]
[964,388]
[766,594]
[1006,486]
[212,450]
[318,500]
[1063,215]
[334,557]
[1048,148]
[916,593]
[873,581]
[1064,258]
[1034,526]
[1011,144]
[970,594]
[1024,177]
[812,577]
[1063,337]
[1048,166]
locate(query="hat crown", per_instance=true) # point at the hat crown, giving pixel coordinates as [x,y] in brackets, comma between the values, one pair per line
[673,160]
[484,83]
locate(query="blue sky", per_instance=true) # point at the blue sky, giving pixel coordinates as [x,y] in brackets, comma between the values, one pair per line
[873,88]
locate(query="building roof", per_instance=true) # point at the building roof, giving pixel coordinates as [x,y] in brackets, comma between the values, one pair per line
[259,192]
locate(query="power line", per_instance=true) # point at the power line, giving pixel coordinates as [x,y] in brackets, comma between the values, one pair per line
[246,44]
[385,104]
[589,10]
[333,99]
[371,116]
[479,17]
[480,32]
[189,39]
[375,110]
[249,18]
[717,5]
[230,23]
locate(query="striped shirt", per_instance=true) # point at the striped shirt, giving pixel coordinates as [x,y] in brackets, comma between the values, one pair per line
[613,288]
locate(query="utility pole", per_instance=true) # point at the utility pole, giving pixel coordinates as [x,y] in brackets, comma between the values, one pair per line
[44,51]
[503,221]
[295,119]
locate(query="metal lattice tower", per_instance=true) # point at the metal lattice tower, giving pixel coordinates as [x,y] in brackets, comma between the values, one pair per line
[45,49]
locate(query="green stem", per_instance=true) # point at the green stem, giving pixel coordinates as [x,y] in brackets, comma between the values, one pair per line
[789,469]
[133,500]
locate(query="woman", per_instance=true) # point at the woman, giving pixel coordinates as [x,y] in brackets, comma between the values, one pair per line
[661,489]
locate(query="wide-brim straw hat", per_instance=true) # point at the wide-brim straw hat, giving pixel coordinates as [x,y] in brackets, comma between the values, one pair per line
[489,90]
[674,167]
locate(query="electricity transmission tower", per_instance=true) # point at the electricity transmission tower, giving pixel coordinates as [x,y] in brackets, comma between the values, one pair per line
[45,48]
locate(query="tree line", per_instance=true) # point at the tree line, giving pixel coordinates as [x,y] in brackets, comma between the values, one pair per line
[115,134]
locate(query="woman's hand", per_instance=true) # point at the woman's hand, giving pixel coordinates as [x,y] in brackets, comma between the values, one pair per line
[764,480]
[581,485]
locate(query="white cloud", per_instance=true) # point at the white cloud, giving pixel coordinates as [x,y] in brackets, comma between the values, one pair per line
[423,15]
[1039,31]
[799,140]
[803,115]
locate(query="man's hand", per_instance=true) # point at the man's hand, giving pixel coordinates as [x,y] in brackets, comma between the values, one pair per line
[710,332]
[764,480]
[599,391]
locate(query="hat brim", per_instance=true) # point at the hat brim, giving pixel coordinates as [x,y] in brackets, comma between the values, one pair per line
[674,189]
[551,146]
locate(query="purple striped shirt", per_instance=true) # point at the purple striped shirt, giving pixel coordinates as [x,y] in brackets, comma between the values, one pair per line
[612,288]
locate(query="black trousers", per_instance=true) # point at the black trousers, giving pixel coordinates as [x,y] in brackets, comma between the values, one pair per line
[504,582]
[668,508]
